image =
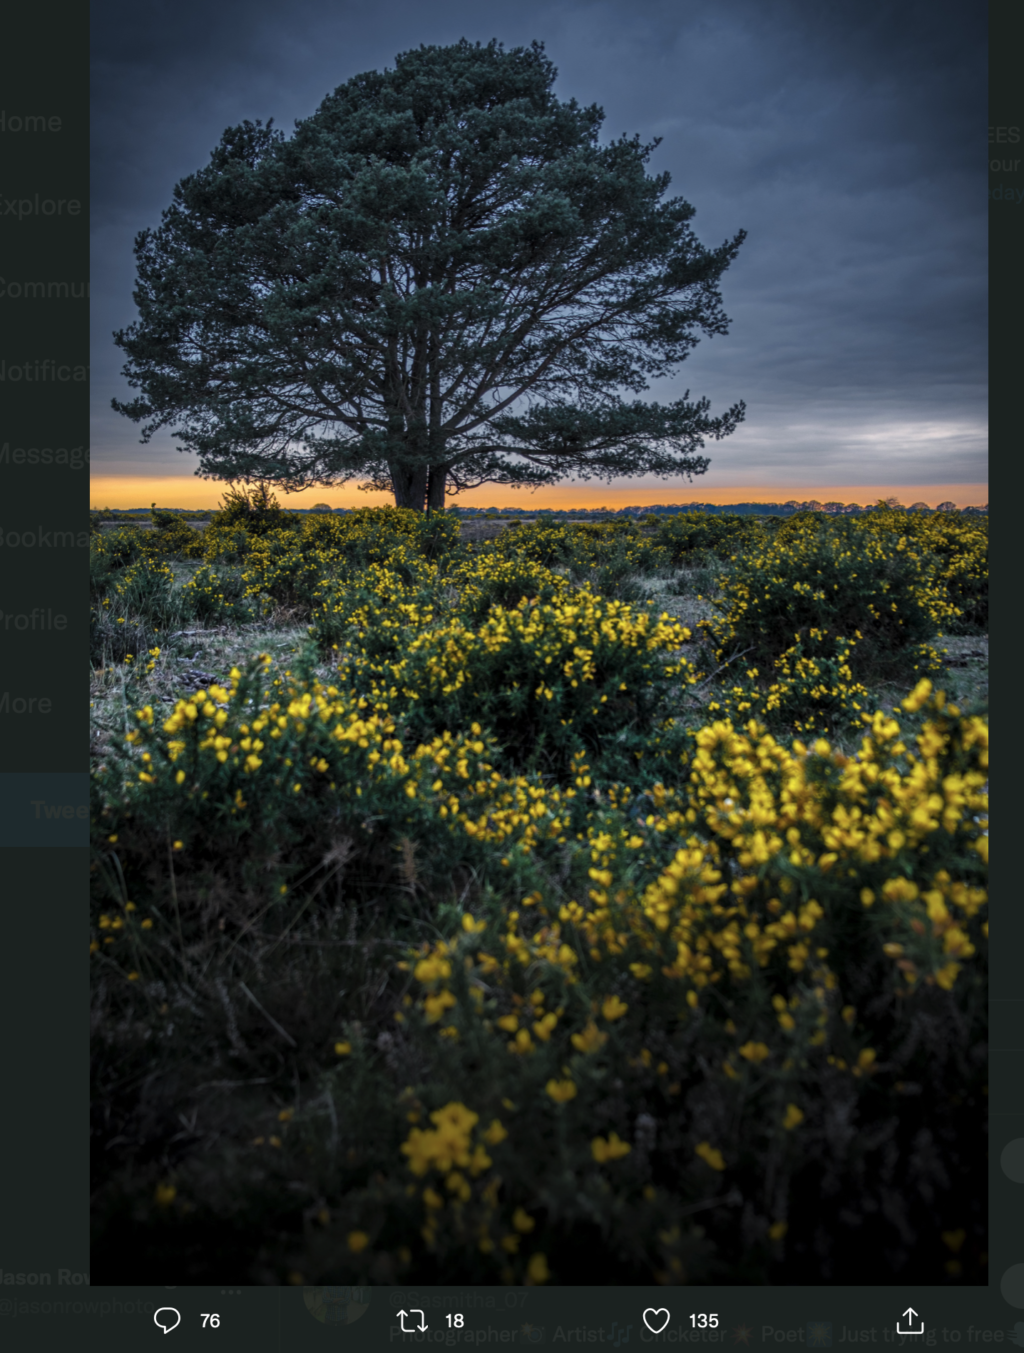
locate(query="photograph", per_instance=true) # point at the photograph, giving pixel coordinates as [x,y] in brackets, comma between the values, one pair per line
[539,643]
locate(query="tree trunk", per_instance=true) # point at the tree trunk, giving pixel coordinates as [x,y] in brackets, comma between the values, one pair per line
[409,483]
[435,488]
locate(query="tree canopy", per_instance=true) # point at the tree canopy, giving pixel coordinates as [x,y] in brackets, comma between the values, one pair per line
[441,280]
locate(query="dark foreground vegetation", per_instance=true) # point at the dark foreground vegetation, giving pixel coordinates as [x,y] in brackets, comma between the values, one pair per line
[588,904]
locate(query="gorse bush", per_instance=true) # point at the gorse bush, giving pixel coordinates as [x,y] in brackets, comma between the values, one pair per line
[959,544]
[254,775]
[594,551]
[254,508]
[673,1009]
[111,551]
[812,690]
[173,535]
[695,536]
[841,580]
[483,941]
[246,514]
[132,602]
[213,594]
[493,580]
[548,677]
[296,566]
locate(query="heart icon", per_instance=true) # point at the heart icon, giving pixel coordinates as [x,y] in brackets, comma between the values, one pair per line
[656,1320]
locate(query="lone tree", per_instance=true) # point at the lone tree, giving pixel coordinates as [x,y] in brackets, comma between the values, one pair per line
[440,281]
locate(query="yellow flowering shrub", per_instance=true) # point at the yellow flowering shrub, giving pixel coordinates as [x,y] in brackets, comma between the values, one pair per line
[846,581]
[607,555]
[520,984]
[174,536]
[547,677]
[811,689]
[959,544]
[693,536]
[215,594]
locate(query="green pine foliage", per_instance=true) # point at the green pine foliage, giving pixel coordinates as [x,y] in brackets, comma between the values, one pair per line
[343,304]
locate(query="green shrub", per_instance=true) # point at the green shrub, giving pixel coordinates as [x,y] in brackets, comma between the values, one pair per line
[809,691]
[759,991]
[174,536]
[548,679]
[836,578]
[481,965]
[216,594]
[494,580]
[246,515]
[697,536]
[609,556]
[111,551]
[959,544]
[255,509]
[132,604]
[255,777]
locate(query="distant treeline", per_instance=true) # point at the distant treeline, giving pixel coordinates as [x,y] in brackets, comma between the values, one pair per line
[743,509]
[561,514]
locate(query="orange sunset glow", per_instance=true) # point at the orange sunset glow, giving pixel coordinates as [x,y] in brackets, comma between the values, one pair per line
[128,491]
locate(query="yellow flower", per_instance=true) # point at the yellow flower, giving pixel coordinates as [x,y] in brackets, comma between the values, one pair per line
[286,1115]
[164,1195]
[793,1117]
[711,1154]
[777,1230]
[522,1220]
[522,1042]
[495,1133]
[429,969]
[561,1091]
[343,1049]
[537,1271]
[590,1040]
[946,976]
[612,1149]
[457,1116]
[755,1052]
[357,1241]
[435,1005]
[613,1008]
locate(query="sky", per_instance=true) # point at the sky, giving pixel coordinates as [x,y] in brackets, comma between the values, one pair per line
[848,140]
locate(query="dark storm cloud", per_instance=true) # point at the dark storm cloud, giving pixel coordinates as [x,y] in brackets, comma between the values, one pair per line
[848,140]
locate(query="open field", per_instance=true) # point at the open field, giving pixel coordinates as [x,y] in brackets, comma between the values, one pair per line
[529,903]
